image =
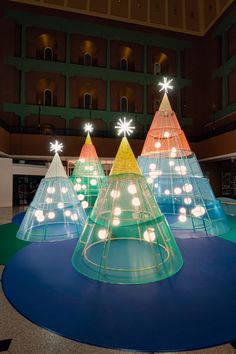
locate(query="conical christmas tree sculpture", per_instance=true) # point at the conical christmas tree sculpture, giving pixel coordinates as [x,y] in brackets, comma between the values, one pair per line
[126,239]
[88,173]
[183,194]
[55,213]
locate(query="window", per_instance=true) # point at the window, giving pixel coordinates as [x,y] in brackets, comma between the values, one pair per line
[88,60]
[123,64]
[48,53]
[157,68]
[87,101]
[47,97]
[123,104]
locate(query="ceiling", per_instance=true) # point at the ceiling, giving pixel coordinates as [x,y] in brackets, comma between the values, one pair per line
[185,16]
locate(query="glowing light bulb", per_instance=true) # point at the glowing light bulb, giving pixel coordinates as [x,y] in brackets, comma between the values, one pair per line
[74,217]
[182,218]
[166,134]
[173,149]
[60,205]
[157,144]
[93,182]
[198,211]
[49,200]
[51,215]
[177,190]
[67,213]
[84,186]
[182,210]
[132,189]
[187,201]
[115,194]
[78,180]
[156,185]
[149,180]
[84,204]
[167,192]
[64,190]
[102,234]
[187,188]
[81,197]
[152,166]
[51,190]
[82,160]
[38,212]
[136,202]
[95,173]
[182,170]
[171,163]
[116,221]
[149,235]
[40,218]
[117,211]
[77,187]
[173,155]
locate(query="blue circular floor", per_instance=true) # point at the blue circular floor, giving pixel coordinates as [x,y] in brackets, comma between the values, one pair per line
[193,309]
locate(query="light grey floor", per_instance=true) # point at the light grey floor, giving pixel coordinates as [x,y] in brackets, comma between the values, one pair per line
[27,338]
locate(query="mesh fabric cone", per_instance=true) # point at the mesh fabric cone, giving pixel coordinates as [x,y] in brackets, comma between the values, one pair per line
[55,213]
[87,175]
[126,239]
[175,177]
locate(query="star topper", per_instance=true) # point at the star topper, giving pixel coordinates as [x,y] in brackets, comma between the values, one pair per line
[124,127]
[165,85]
[88,127]
[56,146]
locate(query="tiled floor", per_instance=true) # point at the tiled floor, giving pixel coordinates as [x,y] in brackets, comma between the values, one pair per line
[27,338]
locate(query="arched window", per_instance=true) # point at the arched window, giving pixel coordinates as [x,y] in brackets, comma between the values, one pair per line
[123,64]
[48,97]
[87,100]
[123,104]
[48,53]
[88,60]
[157,68]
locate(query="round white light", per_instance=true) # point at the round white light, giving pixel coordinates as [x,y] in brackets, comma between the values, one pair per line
[74,217]
[166,134]
[82,160]
[78,180]
[157,144]
[116,221]
[86,167]
[60,205]
[152,166]
[182,218]
[187,188]
[93,182]
[51,215]
[115,194]
[84,204]
[64,190]
[84,186]
[173,149]
[167,192]
[177,190]
[117,211]
[182,210]
[51,190]
[77,187]
[156,185]
[149,180]
[67,213]
[173,154]
[171,163]
[90,168]
[49,200]
[95,173]
[102,234]
[198,211]
[187,201]
[38,212]
[149,235]
[81,197]
[136,202]
[132,189]
[182,170]
[40,218]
